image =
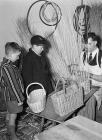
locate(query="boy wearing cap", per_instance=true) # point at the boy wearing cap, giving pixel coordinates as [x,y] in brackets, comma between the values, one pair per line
[35,66]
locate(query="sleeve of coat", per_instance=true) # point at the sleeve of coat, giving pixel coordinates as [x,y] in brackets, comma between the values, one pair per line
[13,81]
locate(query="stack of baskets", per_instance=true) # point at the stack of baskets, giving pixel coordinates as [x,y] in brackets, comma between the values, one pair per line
[82,77]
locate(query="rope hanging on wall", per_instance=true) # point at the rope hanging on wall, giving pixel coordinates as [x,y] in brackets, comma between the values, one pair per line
[43,17]
[81,20]
[52,18]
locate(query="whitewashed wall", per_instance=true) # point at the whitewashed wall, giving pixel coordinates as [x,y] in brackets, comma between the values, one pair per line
[64,36]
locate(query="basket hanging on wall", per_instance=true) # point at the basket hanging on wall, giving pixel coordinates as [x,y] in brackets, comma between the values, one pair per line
[81,20]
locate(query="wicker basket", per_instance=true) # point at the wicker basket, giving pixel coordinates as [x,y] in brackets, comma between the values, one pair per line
[82,77]
[66,100]
[36,99]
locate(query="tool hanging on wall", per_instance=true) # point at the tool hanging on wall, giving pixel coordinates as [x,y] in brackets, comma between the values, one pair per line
[81,20]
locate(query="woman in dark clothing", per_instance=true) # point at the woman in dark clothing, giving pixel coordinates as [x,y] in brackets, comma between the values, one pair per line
[35,67]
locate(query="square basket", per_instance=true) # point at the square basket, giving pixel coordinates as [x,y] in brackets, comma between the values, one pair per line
[67,100]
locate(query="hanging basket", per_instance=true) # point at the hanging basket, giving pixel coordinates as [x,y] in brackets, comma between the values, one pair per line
[37,98]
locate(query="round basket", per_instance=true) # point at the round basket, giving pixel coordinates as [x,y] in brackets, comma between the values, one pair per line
[36,99]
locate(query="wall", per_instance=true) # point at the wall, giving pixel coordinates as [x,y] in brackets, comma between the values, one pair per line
[10,10]
[64,38]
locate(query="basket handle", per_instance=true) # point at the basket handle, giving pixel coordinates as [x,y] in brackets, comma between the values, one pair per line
[31,85]
[63,82]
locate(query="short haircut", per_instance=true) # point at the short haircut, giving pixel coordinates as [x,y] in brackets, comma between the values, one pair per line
[92,35]
[95,38]
[12,46]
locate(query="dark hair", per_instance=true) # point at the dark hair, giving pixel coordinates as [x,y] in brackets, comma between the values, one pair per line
[92,35]
[11,46]
[94,38]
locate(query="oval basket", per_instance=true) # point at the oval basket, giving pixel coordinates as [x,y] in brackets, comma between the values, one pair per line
[36,100]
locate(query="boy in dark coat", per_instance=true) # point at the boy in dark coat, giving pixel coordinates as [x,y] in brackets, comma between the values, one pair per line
[35,67]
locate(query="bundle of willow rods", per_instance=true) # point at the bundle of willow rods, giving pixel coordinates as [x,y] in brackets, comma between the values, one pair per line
[23,33]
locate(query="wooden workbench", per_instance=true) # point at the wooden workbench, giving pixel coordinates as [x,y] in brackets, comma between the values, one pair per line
[77,128]
[49,112]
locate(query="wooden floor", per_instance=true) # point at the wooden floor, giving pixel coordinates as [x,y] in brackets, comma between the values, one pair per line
[28,126]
